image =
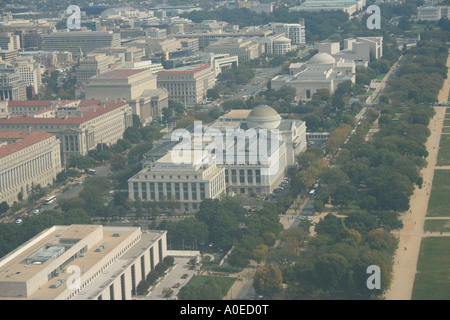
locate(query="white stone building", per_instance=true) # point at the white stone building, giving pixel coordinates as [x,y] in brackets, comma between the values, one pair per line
[243,152]
[26,160]
[322,71]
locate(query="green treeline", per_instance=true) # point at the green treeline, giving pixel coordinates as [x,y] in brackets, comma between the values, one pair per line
[371,183]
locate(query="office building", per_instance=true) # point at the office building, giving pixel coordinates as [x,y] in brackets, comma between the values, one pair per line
[79,42]
[348,6]
[246,50]
[30,39]
[30,72]
[93,65]
[187,85]
[433,12]
[9,41]
[293,31]
[12,87]
[361,49]
[123,54]
[189,44]
[27,159]
[156,33]
[8,55]
[81,262]
[222,62]
[277,44]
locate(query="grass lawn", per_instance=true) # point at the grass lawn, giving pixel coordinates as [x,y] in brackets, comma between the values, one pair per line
[380,77]
[199,281]
[439,204]
[432,280]
[447,116]
[443,158]
[445,129]
[437,225]
[352,208]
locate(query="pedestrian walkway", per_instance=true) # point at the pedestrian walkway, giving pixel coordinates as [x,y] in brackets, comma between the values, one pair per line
[410,237]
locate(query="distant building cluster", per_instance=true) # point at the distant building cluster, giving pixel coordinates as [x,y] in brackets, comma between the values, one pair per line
[115,37]
[348,6]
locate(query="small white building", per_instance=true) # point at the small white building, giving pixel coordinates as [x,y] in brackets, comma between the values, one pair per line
[322,71]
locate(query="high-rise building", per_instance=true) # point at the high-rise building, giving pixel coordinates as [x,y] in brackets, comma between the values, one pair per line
[82,262]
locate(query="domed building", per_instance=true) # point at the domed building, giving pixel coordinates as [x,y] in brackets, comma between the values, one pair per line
[263,117]
[321,59]
[322,71]
[247,152]
[287,140]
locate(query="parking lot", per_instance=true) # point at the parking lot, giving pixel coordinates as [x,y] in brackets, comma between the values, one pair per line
[176,277]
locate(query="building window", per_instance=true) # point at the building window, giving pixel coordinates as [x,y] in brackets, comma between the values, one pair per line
[160,190]
[152,191]
[242,176]
[194,191]
[202,191]
[185,191]
[144,190]
[177,190]
[250,176]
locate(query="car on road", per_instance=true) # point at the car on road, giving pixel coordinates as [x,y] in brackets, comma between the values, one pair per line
[18,221]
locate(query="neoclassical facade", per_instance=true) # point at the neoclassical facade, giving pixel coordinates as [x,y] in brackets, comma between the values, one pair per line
[137,86]
[322,71]
[80,125]
[27,159]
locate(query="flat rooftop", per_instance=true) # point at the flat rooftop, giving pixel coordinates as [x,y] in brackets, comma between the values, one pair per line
[237,114]
[33,261]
